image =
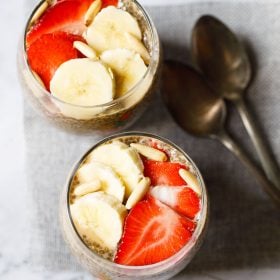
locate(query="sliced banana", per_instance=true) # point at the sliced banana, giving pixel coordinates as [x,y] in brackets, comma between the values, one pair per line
[136,45]
[85,49]
[191,180]
[124,160]
[92,11]
[99,218]
[115,28]
[138,193]
[110,181]
[149,152]
[87,188]
[83,82]
[128,68]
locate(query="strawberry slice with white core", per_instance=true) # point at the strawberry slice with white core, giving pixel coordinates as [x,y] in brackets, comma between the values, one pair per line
[67,16]
[182,199]
[153,232]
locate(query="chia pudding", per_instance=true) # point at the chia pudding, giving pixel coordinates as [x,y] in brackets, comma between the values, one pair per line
[82,76]
[134,207]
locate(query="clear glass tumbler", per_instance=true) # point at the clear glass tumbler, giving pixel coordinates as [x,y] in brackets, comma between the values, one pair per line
[102,119]
[106,270]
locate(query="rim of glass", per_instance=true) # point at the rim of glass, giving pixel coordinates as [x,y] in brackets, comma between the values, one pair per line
[201,225]
[154,51]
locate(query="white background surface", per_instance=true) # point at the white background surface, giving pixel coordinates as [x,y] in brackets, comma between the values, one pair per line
[13,213]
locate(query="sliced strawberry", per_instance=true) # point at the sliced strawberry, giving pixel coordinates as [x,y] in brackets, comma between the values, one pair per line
[47,53]
[182,199]
[106,3]
[163,173]
[153,232]
[67,15]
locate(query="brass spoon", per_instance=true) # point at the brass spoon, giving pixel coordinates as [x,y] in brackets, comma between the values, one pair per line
[199,111]
[226,66]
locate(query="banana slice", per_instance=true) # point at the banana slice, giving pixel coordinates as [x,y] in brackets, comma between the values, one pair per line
[128,68]
[110,181]
[124,160]
[87,188]
[83,82]
[136,45]
[138,193]
[115,28]
[99,218]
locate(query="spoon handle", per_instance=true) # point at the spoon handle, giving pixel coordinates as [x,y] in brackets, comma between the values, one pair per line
[229,143]
[268,163]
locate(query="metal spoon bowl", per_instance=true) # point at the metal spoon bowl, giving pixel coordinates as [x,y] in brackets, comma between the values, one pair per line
[221,57]
[197,109]
[207,113]
[225,64]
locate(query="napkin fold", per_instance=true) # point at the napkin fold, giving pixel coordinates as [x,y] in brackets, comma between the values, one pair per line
[244,229]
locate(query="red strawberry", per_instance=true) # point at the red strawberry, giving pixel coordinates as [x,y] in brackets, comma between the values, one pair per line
[67,15]
[153,232]
[47,53]
[164,173]
[106,3]
[182,199]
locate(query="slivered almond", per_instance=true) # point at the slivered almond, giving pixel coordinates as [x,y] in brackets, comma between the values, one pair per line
[138,193]
[149,152]
[39,12]
[87,188]
[92,11]
[38,78]
[191,180]
[85,49]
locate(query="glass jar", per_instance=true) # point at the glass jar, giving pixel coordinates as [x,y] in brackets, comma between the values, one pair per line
[106,118]
[106,270]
